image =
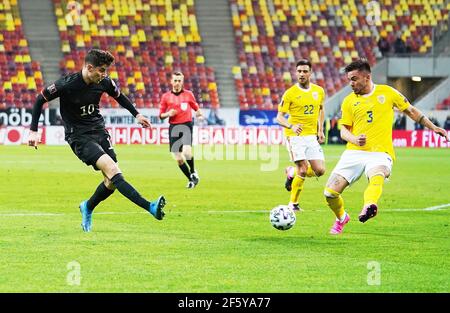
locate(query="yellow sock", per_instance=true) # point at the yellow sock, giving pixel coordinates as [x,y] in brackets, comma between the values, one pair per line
[335,202]
[373,192]
[297,186]
[310,172]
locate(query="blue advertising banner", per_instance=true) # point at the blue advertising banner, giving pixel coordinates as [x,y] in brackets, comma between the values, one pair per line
[258,118]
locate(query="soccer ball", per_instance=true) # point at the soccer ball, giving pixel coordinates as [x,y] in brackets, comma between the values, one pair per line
[282,217]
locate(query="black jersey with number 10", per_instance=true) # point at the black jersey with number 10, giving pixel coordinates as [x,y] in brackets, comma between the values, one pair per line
[79,102]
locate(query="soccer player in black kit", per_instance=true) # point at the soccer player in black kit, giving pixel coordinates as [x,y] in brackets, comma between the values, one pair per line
[85,130]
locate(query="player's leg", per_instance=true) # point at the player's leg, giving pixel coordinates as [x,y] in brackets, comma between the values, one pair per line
[184,168]
[316,168]
[314,155]
[290,174]
[103,191]
[297,184]
[110,169]
[187,152]
[88,151]
[290,170]
[334,187]
[297,147]
[376,176]
[176,145]
[348,170]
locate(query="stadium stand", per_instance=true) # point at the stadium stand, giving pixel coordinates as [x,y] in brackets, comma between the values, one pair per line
[20,76]
[444,104]
[149,38]
[271,35]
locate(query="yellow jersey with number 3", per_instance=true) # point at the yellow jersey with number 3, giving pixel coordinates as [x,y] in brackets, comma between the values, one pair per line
[303,106]
[373,116]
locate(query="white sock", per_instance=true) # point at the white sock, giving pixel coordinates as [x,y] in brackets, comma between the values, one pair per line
[343,217]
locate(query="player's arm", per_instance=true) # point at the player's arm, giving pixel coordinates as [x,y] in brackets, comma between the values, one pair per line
[47,94]
[163,113]
[283,109]
[417,116]
[194,105]
[33,137]
[320,122]
[199,114]
[347,135]
[297,128]
[125,102]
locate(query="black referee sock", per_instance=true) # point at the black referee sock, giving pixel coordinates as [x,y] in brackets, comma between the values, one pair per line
[184,168]
[128,191]
[191,164]
[100,194]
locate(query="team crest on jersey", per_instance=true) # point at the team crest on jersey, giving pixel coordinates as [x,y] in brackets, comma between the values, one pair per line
[381,99]
[184,106]
[315,95]
[51,89]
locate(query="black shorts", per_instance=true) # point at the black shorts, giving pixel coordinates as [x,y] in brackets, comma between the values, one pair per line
[180,135]
[89,147]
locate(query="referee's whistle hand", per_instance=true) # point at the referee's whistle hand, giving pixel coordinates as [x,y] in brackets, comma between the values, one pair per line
[172,112]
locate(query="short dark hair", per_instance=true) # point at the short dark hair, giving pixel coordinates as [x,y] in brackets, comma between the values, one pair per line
[98,57]
[304,62]
[177,73]
[359,65]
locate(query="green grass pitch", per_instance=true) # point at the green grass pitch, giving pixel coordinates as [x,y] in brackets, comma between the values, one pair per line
[217,237]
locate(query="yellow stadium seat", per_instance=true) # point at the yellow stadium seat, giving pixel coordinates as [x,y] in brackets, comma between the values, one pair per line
[7,85]
[287,76]
[140,86]
[65,47]
[236,70]
[31,83]
[168,59]
[70,64]
[129,53]
[26,58]
[212,86]
[113,75]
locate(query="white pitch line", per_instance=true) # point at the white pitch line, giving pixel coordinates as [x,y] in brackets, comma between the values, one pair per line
[31,214]
[62,214]
[432,208]
[437,207]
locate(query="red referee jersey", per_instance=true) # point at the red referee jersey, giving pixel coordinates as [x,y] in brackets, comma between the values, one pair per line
[182,102]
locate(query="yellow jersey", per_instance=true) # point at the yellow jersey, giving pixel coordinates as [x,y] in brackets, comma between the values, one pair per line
[303,107]
[373,116]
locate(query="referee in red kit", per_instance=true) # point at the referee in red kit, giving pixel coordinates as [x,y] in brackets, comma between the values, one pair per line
[177,105]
